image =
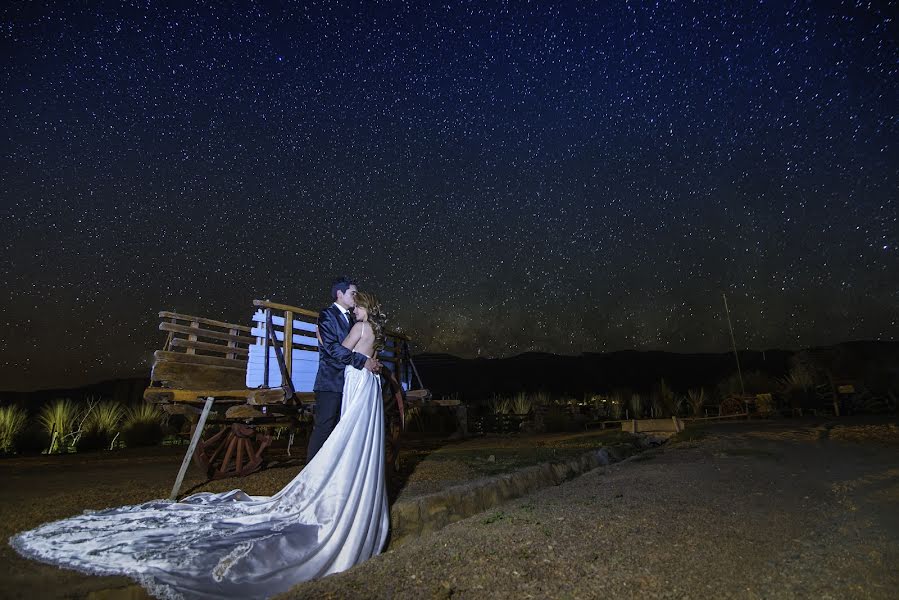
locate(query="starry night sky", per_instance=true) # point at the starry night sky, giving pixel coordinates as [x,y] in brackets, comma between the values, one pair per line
[507,176]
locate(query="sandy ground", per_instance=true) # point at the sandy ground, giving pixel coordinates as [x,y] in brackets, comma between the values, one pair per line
[759,510]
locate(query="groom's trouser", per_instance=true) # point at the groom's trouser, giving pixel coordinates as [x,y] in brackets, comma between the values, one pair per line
[327,413]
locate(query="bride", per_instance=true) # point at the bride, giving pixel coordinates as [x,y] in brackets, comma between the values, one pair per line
[332,516]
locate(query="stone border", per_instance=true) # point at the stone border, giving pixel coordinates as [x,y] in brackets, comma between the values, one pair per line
[416,517]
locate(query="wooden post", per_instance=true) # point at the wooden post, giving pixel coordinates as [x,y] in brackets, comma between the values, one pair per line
[192,337]
[288,341]
[265,348]
[231,344]
[190,449]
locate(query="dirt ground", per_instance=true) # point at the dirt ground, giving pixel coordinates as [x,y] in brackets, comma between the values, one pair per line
[753,510]
[38,489]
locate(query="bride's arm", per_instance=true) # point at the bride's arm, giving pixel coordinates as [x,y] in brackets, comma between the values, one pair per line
[353,337]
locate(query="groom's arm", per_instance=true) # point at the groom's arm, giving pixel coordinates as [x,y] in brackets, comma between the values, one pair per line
[331,345]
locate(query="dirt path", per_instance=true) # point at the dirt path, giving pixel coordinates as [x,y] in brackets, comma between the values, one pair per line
[770,511]
[777,510]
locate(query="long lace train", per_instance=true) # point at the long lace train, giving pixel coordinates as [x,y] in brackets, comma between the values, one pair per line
[332,516]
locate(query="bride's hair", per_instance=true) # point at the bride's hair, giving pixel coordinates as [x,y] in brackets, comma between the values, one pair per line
[376,317]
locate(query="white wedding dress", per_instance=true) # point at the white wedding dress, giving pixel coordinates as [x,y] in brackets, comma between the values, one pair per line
[333,515]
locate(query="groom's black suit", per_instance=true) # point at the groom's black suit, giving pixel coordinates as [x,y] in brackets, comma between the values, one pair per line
[333,327]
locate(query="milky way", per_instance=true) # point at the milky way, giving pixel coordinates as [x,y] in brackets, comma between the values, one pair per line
[508,177]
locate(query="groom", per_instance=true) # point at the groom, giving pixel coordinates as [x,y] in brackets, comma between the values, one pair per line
[334,324]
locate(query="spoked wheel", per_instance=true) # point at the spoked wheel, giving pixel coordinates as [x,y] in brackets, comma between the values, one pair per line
[392,395]
[233,450]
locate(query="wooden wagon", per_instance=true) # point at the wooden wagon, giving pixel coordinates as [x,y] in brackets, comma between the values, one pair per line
[236,383]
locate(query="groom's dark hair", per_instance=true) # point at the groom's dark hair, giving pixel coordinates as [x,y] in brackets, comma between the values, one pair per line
[341,284]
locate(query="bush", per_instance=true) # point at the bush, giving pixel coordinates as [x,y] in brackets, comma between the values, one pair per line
[143,426]
[521,404]
[58,421]
[101,425]
[12,422]
[696,398]
[754,382]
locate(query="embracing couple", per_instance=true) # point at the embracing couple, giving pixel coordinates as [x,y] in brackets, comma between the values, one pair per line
[331,516]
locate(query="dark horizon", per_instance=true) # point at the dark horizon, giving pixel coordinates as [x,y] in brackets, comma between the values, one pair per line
[443,356]
[507,178]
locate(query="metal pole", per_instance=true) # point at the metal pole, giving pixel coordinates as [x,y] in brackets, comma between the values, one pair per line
[190,449]
[733,341]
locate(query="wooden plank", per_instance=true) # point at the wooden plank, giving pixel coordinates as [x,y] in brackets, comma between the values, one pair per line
[264,396]
[298,323]
[243,411]
[194,377]
[285,307]
[198,359]
[206,333]
[288,340]
[182,343]
[310,313]
[211,322]
[159,395]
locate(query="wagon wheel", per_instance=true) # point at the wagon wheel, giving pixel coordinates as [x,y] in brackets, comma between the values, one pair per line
[392,395]
[234,450]
[731,406]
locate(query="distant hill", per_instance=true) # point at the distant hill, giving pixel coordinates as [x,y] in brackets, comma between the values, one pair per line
[128,390]
[445,374]
[477,378]
[590,372]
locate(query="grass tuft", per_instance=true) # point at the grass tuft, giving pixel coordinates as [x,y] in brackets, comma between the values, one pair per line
[690,434]
[12,422]
[58,420]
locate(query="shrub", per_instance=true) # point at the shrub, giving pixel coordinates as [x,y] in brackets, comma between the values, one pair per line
[143,425]
[664,403]
[500,405]
[412,419]
[101,425]
[798,388]
[58,420]
[636,406]
[799,378]
[541,399]
[12,422]
[696,398]
[617,402]
[754,382]
[521,404]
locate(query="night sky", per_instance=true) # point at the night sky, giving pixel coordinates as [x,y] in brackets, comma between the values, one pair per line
[507,176]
